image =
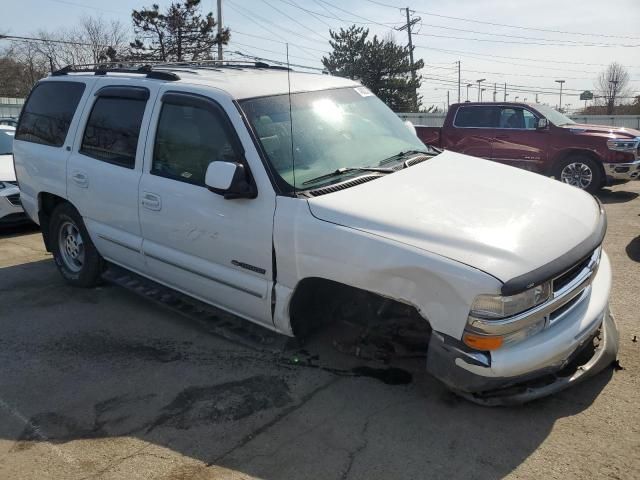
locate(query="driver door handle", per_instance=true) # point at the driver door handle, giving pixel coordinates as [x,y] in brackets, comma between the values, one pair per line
[80,178]
[151,201]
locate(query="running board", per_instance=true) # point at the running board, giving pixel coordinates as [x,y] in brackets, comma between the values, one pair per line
[214,320]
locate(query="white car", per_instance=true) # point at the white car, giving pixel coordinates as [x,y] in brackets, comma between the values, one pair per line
[11,212]
[268,193]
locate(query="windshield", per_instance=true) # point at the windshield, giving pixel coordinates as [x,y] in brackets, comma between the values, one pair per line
[554,116]
[6,142]
[332,129]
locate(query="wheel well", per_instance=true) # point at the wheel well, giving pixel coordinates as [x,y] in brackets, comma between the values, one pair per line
[577,152]
[318,302]
[47,202]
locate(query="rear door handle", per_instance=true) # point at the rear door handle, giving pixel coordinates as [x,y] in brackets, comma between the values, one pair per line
[502,136]
[80,178]
[151,201]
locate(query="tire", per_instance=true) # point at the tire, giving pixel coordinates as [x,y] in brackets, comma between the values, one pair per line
[581,172]
[75,255]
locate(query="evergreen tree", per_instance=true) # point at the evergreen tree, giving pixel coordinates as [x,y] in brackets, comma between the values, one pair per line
[381,65]
[182,33]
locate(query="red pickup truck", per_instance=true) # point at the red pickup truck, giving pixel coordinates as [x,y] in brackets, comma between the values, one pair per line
[540,139]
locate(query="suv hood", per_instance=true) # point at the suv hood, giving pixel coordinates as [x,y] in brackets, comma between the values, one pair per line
[613,132]
[499,219]
[7,173]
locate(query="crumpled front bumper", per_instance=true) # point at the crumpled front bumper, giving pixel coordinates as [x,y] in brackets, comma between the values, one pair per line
[622,171]
[444,353]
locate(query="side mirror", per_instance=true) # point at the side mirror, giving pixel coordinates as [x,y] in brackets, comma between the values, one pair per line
[542,123]
[229,179]
[411,127]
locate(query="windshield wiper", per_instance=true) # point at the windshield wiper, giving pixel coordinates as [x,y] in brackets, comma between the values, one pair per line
[400,155]
[343,170]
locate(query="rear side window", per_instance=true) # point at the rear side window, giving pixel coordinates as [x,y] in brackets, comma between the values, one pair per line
[478,117]
[188,139]
[112,131]
[48,112]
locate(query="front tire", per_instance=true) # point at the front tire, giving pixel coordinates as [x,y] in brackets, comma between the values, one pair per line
[580,171]
[75,255]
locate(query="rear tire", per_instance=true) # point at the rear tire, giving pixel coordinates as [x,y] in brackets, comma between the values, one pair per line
[75,255]
[581,172]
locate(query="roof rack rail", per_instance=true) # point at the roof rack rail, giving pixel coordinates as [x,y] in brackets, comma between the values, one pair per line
[103,69]
[159,70]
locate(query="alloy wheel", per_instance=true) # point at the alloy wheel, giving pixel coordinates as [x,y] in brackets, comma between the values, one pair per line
[71,246]
[577,174]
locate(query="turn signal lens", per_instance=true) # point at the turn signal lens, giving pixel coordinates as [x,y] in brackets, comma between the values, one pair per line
[482,342]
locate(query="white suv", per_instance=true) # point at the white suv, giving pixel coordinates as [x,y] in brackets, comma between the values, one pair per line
[268,192]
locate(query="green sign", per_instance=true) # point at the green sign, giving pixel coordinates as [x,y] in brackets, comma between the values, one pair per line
[586,95]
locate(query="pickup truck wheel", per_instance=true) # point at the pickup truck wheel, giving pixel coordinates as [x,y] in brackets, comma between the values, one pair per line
[73,251]
[581,172]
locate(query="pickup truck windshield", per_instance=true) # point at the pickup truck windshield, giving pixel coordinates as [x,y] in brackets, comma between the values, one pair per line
[346,128]
[554,116]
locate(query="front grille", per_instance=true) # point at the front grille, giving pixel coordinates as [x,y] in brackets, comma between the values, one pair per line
[14,200]
[567,277]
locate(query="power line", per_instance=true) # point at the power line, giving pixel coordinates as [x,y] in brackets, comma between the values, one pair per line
[567,43]
[464,53]
[547,44]
[90,7]
[250,15]
[274,51]
[316,16]
[295,21]
[49,40]
[237,32]
[495,24]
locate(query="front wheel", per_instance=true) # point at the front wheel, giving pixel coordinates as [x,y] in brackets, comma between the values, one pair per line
[73,251]
[581,172]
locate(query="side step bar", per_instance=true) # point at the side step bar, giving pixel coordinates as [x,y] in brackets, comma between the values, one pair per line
[214,320]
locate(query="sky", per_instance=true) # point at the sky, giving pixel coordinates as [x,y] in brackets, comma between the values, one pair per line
[526,44]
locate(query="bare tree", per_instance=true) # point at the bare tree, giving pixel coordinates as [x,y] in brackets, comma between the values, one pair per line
[612,84]
[94,40]
[105,41]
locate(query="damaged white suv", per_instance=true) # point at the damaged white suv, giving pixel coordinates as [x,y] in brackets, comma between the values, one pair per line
[263,191]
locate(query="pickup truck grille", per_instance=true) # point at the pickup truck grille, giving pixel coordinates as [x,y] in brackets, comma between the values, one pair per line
[15,200]
[567,277]
[569,288]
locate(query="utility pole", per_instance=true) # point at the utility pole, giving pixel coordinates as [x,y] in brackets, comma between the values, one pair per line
[479,82]
[447,100]
[468,85]
[613,91]
[220,30]
[495,86]
[459,82]
[536,98]
[505,92]
[410,23]
[560,82]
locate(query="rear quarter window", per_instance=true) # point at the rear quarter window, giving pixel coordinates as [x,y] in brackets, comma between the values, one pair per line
[112,131]
[47,115]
